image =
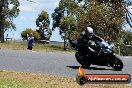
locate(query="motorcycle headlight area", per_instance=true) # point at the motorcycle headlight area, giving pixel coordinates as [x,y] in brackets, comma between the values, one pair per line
[109,47]
[107,51]
[113,46]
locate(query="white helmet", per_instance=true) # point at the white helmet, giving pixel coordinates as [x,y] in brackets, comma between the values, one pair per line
[89,32]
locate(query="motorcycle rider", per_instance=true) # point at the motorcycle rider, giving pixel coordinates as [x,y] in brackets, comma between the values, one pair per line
[85,38]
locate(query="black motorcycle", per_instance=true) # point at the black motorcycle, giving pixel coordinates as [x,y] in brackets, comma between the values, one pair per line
[102,54]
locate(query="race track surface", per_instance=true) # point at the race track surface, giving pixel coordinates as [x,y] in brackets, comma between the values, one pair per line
[55,63]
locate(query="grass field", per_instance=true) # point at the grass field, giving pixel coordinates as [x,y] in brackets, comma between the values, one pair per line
[37,47]
[30,80]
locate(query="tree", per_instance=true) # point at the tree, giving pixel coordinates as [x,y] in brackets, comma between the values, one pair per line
[28,31]
[116,5]
[127,37]
[64,18]
[68,29]
[43,22]
[8,10]
[104,20]
[106,17]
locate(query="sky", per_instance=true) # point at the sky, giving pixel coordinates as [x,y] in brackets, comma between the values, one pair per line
[28,13]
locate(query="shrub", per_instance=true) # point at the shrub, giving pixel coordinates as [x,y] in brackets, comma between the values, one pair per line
[28,31]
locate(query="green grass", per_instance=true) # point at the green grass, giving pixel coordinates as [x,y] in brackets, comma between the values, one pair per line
[30,80]
[14,83]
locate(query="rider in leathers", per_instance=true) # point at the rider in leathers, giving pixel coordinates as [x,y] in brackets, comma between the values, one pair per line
[85,39]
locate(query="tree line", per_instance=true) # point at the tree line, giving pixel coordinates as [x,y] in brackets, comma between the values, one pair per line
[71,17]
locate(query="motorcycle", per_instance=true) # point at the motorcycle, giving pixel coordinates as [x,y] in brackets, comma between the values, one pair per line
[104,56]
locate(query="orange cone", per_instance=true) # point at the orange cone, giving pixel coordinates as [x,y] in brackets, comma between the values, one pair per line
[81,71]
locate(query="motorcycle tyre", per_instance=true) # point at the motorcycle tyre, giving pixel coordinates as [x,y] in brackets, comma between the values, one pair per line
[115,62]
[85,64]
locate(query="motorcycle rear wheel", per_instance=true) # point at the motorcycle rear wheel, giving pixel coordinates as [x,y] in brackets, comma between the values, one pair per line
[116,63]
[82,61]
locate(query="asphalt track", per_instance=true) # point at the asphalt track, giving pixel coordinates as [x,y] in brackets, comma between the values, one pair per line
[54,63]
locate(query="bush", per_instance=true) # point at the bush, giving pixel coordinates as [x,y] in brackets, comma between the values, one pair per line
[28,31]
[125,50]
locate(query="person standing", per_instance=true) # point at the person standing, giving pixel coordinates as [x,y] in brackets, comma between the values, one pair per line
[30,39]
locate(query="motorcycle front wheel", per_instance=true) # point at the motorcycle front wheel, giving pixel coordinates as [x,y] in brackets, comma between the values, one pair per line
[82,61]
[116,63]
